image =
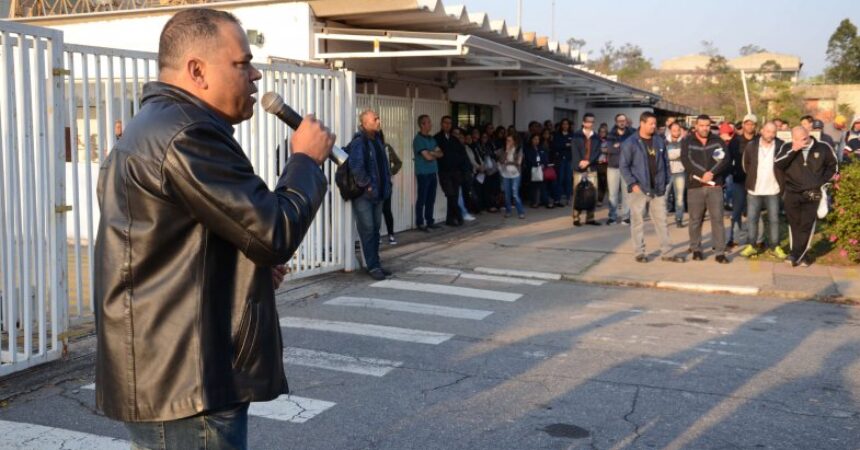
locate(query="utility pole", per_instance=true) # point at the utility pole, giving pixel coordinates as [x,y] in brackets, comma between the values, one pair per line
[553,19]
[520,14]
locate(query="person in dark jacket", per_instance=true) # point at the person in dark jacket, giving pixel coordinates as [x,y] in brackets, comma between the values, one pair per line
[369,164]
[536,157]
[737,146]
[763,185]
[706,164]
[615,184]
[808,165]
[562,143]
[644,166]
[184,290]
[586,152]
[394,168]
[451,166]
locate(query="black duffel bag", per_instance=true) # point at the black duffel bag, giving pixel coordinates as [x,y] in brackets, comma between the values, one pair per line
[585,195]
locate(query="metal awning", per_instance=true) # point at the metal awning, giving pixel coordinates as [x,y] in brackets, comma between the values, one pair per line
[467,56]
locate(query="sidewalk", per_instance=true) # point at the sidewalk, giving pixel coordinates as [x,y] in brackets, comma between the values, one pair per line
[547,242]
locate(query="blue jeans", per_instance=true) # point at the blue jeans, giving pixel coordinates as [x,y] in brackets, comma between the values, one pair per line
[739,206]
[216,430]
[617,192]
[754,207]
[368,219]
[564,181]
[678,184]
[426,199]
[512,189]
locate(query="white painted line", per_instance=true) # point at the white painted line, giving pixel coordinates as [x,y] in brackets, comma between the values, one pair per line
[28,436]
[519,273]
[448,290]
[289,408]
[89,387]
[700,287]
[340,363]
[475,276]
[363,329]
[415,308]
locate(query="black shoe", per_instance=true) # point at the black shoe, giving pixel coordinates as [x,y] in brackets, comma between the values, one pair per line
[805,262]
[377,274]
[792,261]
[721,259]
[577,223]
[674,259]
[385,271]
[424,228]
[610,222]
[626,221]
[731,244]
[592,222]
[679,223]
[697,256]
[434,226]
[641,258]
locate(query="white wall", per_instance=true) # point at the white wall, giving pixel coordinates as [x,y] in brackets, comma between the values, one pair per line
[608,115]
[486,93]
[285,26]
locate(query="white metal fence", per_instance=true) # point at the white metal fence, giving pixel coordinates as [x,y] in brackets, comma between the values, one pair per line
[32,284]
[61,108]
[398,116]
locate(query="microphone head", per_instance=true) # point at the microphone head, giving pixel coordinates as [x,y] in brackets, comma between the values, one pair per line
[272,102]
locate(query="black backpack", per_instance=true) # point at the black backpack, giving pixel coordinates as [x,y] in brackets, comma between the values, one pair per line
[585,196]
[344,178]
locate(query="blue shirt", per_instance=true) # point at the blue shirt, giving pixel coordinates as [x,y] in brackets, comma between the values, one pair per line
[419,144]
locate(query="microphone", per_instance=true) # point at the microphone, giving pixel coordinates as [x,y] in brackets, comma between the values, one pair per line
[274,104]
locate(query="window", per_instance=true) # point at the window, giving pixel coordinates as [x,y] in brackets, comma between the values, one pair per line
[468,115]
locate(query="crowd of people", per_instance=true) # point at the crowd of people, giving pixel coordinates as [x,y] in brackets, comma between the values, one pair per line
[635,171]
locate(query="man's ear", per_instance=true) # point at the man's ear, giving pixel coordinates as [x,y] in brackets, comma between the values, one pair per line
[195,70]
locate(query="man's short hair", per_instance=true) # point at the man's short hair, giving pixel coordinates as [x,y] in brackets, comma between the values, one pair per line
[704,117]
[807,118]
[674,124]
[646,115]
[364,114]
[587,115]
[421,118]
[620,115]
[194,26]
[445,117]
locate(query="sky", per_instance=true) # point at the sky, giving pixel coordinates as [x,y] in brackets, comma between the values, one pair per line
[669,28]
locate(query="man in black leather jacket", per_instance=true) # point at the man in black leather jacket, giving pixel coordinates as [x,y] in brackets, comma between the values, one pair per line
[188,332]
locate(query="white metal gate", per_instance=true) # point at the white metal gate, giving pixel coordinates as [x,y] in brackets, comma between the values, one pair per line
[398,116]
[59,107]
[32,302]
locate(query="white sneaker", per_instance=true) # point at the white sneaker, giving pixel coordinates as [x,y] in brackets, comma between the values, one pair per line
[469,217]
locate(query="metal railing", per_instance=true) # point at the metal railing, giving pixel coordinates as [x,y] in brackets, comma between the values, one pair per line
[61,108]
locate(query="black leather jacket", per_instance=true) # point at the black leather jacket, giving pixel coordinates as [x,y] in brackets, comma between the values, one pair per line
[185,307]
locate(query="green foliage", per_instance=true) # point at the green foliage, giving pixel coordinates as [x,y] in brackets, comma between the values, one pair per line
[627,61]
[846,110]
[843,54]
[787,103]
[845,219]
[751,49]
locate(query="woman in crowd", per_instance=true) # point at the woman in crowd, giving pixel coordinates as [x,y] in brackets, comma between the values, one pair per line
[510,163]
[602,186]
[491,187]
[536,160]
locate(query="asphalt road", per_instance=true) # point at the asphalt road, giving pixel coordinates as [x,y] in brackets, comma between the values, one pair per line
[460,361]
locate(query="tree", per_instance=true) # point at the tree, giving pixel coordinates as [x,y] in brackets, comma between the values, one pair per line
[709,49]
[576,44]
[751,49]
[843,54]
[627,61]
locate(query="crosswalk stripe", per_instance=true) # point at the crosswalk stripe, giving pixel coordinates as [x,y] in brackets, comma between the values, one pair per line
[520,273]
[340,363]
[289,408]
[363,329]
[416,308]
[448,290]
[475,276]
[28,436]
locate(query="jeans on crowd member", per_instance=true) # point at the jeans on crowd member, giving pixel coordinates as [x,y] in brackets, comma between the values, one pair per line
[216,430]
[754,207]
[450,182]
[564,185]
[368,219]
[577,178]
[512,189]
[388,215]
[617,193]
[602,184]
[657,207]
[539,193]
[426,199]
[710,199]
[677,185]
[739,207]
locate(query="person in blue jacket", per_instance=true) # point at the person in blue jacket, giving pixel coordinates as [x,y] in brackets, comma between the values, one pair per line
[562,143]
[369,166]
[644,167]
[586,152]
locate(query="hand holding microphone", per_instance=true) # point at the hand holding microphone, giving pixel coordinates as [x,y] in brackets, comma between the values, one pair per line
[311,138]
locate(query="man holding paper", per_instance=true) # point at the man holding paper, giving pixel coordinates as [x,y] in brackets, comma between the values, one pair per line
[704,157]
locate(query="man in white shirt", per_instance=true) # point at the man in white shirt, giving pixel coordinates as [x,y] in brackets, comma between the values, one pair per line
[763,187]
[678,180]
